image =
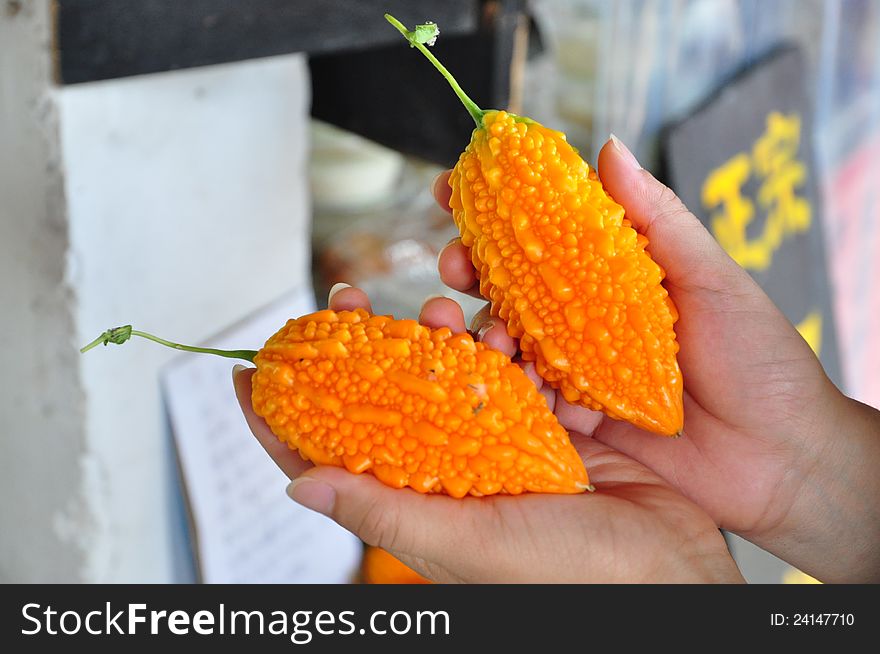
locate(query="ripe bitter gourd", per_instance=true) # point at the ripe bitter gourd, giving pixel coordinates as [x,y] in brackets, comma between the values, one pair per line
[417,407]
[563,267]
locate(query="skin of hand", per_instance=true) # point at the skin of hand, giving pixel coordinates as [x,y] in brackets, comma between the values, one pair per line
[771,450]
[634,528]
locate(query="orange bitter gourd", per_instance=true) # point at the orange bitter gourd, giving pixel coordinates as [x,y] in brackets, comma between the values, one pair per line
[416,407]
[563,267]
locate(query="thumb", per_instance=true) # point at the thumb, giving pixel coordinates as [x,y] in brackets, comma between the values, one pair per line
[677,240]
[419,529]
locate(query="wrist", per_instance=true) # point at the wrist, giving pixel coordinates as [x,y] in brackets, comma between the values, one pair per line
[832,528]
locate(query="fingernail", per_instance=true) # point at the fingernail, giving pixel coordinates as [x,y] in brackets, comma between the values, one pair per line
[237,368]
[434,297]
[335,289]
[312,494]
[484,329]
[625,152]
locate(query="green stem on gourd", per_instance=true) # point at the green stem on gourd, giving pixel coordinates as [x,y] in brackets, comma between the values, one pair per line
[118,336]
[417,42]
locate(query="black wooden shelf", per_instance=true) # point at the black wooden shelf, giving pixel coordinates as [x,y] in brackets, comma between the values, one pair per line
[362,77]
[107,39]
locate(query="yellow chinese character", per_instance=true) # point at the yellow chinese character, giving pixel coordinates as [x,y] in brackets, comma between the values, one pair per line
[775,158]
[774,163]
[723,188]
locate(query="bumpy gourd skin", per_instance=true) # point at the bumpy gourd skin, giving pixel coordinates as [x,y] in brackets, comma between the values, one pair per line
[417,407]
[568,273]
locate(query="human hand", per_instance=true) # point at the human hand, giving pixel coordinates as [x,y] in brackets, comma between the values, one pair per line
[771,449]
[634,528]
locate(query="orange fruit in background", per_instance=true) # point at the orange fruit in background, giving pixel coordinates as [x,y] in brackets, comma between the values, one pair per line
[380,567]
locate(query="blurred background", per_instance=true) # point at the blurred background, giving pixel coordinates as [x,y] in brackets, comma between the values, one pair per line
[198,168]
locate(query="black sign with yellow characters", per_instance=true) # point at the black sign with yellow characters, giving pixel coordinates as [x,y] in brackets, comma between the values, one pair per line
[743,163]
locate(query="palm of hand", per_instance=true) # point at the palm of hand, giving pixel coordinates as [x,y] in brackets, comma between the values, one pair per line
[750,383]
[636,529]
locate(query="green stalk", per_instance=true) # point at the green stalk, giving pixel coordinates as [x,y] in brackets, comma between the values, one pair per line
[417,39]
[118,336]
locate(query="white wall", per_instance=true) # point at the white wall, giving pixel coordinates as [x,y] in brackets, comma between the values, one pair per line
[180,204]
[43,510]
